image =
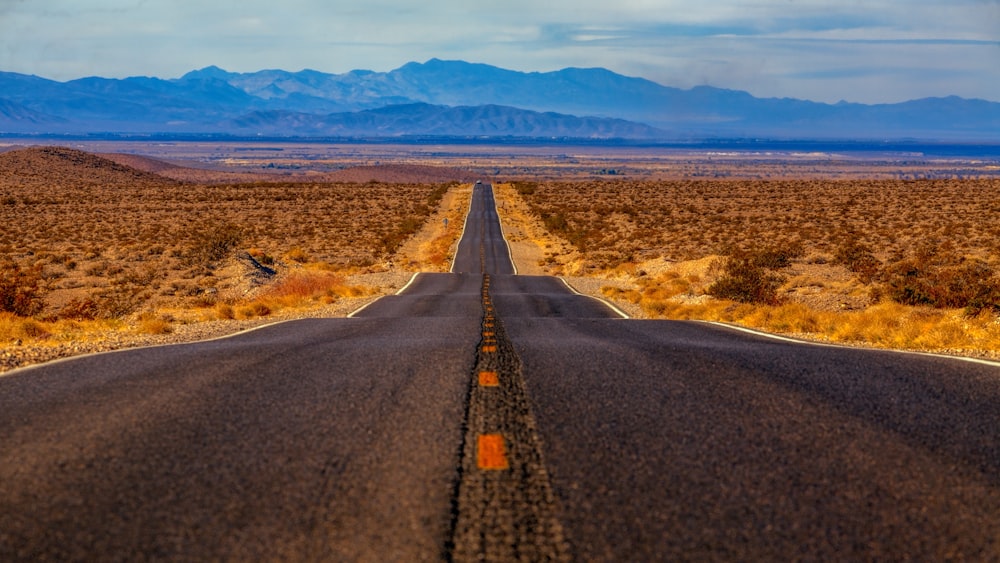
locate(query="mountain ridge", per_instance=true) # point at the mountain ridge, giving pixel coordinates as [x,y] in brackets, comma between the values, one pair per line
[213,100]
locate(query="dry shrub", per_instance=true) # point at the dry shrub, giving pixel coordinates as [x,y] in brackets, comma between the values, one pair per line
[404,230]
[297,255]
[20,291]
[16,328]
[437,194]
[525,188]
[150,324]
[653,295]
[255,309]
[858,258]
[261,256]
[214,244]
[942,279]
[749,277]
[305,285]
[120,301]
[224,311]
[80,309]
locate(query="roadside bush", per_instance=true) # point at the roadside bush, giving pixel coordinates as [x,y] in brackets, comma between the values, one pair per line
[745,282]
[214,244]
[437,194]
[305,285]
[120,301]
[556,222]
[80,309]
[858,258]
[972,285]
[525,188]
[748,276]
[149,323]
[406,228]
[296,254]
[20,291]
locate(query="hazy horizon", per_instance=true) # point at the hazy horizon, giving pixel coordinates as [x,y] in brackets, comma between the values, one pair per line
[881,51]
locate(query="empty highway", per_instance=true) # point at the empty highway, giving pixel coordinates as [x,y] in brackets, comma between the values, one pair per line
[483,415]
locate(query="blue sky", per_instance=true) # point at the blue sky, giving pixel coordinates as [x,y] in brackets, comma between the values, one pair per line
[856,50]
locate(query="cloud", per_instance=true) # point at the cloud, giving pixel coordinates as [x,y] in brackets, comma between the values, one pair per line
[803,48]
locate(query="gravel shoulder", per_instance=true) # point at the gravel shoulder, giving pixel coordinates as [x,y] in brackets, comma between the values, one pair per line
[13,357]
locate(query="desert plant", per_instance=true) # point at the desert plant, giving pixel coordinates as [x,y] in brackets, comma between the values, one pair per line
[296,254]
[20,291]
[525,188]
[748,276]
[149,323]
[858,258]
[927,279]
[214,244]
[224,311]
[251,310]
[80,309]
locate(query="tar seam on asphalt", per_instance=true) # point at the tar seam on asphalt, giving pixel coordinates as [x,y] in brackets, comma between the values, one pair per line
[505,507]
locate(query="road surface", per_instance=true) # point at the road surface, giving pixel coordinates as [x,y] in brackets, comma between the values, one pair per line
[481,415]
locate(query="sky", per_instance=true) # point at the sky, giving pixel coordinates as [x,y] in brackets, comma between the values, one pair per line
[868,51]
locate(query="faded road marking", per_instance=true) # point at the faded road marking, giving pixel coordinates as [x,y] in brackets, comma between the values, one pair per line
[491,454]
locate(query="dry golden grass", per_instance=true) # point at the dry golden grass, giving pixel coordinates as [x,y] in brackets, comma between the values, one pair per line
[536,251]
[884,325]
[666,243]
[433,248]
[615,222]
[101,241]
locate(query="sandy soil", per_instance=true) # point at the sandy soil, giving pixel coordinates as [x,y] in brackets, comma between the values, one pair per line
[149,242]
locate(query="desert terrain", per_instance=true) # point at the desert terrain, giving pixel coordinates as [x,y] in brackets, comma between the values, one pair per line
[100,252]
[909,264]
[108,244]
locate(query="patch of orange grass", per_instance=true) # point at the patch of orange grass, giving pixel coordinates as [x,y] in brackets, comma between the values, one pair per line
[884,325]
[151,324]
[432,247]
[14,329]
[306,288]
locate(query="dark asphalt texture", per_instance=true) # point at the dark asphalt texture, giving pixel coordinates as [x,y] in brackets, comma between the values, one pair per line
[354,439]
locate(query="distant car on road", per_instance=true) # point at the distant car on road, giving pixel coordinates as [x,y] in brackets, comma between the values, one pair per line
[479,182]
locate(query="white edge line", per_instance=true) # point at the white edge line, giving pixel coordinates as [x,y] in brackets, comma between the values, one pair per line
[464,224]
[413,278]
[833,345]
[510,253]
[408,284]
[147,347]
[166,344]
[607,303]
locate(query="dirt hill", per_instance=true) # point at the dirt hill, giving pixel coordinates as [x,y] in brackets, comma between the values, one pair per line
[143,163]
[65,167]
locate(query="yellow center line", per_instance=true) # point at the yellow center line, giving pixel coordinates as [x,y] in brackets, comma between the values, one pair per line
[491,452]
[489,379]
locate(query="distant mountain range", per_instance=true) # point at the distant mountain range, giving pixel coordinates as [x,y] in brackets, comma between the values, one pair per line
[456,98]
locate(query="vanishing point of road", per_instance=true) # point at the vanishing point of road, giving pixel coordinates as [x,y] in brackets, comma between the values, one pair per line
[481,415]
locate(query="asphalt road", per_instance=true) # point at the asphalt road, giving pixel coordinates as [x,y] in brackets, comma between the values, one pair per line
[481,415]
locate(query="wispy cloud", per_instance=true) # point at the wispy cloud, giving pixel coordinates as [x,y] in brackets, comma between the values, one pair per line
[895,49]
